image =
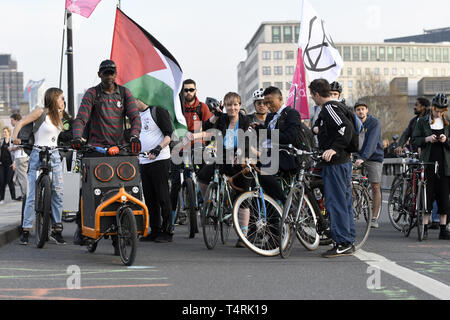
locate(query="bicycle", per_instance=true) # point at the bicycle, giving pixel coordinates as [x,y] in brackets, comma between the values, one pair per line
[111,200]
[43,191]
[261,235]
[299,214]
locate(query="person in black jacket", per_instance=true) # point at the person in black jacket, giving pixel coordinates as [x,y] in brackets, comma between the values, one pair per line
[335,134]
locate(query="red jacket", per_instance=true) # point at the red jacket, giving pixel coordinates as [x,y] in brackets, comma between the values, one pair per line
[193,120]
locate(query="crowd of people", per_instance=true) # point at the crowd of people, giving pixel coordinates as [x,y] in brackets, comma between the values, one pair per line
[100,122]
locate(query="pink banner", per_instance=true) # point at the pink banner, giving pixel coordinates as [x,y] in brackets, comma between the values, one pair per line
[298,96]
[82,7]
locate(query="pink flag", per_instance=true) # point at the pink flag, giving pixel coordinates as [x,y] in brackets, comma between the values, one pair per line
[82,7]
[298,95]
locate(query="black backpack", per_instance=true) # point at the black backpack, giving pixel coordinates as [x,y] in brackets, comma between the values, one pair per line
[357,129]
[26,134]
[304,139]
[197,110]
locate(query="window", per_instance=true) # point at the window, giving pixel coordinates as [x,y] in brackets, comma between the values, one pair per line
[278,55]
[382,53]
[398,53]
[278,71]
[402,71]
[347,54]
[290,55]
[415,54]
[267,71]
[267,84]
[350,84]
[407,54]
[279,85]
[431,54]
[445,55]
[290,70]
[266,55]
[364,53]
[297,33]
[386,71]
[276,34]
[394,71]
[287,34]
[288,85]
[411,71]
[367,72]
[358,71]
[358,84]
[339,49]
[355,51]
[349,71]
[437,56]
[373,54]
[390,54]
[423,54]
[377,71]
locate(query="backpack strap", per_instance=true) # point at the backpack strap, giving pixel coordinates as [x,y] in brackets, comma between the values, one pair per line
[199,111]
[39,121]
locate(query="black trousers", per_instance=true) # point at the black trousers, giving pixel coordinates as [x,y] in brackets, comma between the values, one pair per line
[6,179]
[155,184]
[175,183]
[438,188]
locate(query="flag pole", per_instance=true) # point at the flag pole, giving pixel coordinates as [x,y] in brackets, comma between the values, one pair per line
[62,50]
[69,52]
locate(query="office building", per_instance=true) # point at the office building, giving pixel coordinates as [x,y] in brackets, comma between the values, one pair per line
[11,85]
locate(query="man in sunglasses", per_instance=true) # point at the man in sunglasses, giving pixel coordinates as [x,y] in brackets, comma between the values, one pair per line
[196,113]
[261,110]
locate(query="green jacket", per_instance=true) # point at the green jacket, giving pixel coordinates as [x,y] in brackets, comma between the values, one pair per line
[423,130]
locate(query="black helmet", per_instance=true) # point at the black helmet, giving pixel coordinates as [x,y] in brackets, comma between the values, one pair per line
[212,103]
[336,86]
[440,100]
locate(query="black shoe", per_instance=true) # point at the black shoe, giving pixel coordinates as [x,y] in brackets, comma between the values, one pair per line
[78,238]
[434,226]
[18,199]
[444,235]
[164,238]
[24,238]
[425,233]
[339,250]
[240,244]
[150,237]
[56,236]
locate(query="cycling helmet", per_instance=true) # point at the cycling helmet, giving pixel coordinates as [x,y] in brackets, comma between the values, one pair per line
[258,95]
[336,86]
[440,100]
[212,103]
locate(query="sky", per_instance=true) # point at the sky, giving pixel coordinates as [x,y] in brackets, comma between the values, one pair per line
[207,37]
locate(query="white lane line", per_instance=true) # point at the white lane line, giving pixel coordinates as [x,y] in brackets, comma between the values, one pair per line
[433,287]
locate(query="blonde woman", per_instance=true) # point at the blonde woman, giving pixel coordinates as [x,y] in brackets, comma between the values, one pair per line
[6,166]
[47,135]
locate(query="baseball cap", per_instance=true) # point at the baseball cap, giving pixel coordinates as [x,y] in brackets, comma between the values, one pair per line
[107,65]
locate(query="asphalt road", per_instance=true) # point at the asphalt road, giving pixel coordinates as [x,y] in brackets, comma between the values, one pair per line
[389,266]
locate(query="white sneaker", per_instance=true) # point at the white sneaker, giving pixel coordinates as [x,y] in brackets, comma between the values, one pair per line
[374,223]
[2,201]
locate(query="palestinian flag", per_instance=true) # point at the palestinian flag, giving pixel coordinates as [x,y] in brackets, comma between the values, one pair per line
[147,69]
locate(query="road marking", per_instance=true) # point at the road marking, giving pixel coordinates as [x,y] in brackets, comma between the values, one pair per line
[433,287]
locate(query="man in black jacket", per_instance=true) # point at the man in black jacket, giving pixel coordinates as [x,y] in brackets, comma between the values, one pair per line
[335,134]
[421,108]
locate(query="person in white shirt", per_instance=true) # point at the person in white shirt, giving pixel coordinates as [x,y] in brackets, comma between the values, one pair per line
[21,160]
[155,138]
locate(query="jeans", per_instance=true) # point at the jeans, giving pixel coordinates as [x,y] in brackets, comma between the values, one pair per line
[57,189]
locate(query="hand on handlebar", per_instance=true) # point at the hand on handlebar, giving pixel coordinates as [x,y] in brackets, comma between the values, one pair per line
[77,143]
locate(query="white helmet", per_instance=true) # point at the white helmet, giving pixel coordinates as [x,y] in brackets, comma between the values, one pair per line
[258,95]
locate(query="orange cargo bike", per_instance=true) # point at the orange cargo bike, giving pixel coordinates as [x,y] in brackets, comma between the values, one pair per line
[111,199]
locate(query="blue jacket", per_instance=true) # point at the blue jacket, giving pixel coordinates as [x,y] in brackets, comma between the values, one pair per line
[372,149]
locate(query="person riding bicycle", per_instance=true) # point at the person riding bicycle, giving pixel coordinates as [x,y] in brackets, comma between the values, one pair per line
[261,110]
[100,121]
[229,125]
[196,114]
[431,134]
[47,136]
[421,109]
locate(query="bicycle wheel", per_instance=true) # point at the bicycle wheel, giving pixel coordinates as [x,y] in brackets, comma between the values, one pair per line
[420,211]
[210,220]
[362,214]
[264,222]
[397,211]
[127,237]
[180,213]
[43,209]
[287,225]
[189,197]
[225,219]
[306,225]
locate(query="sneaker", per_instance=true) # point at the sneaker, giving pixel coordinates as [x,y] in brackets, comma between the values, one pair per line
[164,238]
[240,244]
[2,201]
[57,237]
[374,223]
[339,250]
[24,238]
[444,235]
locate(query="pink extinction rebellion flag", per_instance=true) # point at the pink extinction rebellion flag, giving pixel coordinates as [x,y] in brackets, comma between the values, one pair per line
[82,7]
[298,97]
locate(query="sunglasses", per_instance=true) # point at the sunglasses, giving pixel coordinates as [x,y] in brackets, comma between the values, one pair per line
[189,90]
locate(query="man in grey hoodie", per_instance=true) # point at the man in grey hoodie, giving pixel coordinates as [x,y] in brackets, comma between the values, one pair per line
[371,155]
